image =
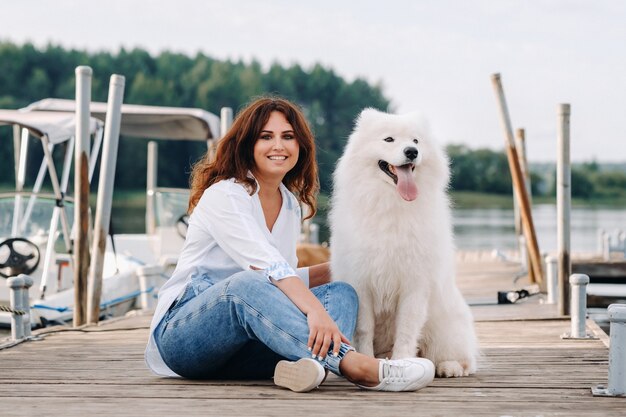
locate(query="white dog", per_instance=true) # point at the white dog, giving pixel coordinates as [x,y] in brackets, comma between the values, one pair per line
[392,239]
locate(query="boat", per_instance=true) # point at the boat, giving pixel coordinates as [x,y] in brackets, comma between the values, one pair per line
[166,207]
[36,226]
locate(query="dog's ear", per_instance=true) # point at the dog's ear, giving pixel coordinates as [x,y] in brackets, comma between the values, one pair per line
[367,116]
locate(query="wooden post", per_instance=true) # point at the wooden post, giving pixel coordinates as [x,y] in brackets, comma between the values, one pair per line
[520,145]
[563,205]
[518,183]
[81,194]
[105,195]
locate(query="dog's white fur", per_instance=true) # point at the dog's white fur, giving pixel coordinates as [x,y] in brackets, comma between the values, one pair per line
[399,255]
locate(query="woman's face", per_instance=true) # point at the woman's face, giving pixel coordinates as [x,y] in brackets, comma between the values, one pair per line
[276,149]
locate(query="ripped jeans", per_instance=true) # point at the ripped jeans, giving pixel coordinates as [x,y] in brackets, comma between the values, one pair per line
[241,326]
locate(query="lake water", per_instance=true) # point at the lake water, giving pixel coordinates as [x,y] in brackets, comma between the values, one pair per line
[485,229]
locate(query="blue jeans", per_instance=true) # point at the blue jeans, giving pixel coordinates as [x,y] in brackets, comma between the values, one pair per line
[241,326]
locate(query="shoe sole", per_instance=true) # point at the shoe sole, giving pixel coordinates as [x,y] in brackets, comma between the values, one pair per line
[300,376]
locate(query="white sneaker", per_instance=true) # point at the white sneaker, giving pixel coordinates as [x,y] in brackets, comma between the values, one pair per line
[409,374]
[300,376]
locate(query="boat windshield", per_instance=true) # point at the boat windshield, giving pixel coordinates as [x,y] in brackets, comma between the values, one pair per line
[171,205]
[35,215]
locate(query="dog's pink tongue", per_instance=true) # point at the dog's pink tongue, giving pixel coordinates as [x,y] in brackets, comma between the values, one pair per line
[406,183]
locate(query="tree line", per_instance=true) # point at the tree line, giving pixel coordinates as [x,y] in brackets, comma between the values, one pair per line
[487,171]
[330,102]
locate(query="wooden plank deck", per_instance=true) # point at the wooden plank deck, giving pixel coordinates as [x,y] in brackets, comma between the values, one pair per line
[525,370]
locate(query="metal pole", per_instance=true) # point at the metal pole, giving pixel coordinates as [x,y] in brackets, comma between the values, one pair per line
[519,143]
[606,247]
[20,179]
[563,203]
[105,195]
[226,120]
[151,184]
[58,211]
[16,285]
[601,234]
[617,354]
[81,193]
[518,181]
[16,150]
[33,197]
[551,272]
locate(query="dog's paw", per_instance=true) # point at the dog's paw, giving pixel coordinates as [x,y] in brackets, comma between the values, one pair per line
[450,369]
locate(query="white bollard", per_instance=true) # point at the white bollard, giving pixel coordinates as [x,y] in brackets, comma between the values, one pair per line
[552,280]
[617,354]
[578,307]
[16,284]
[28,282]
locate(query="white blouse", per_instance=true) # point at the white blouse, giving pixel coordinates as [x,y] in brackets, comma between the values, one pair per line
[227,234]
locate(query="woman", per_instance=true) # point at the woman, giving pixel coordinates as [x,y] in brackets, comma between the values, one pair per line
[236,307]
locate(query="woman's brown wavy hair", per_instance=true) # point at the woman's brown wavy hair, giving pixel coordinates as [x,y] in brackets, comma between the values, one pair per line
[234,156]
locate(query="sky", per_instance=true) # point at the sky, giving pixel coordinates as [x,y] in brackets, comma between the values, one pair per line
[431,56]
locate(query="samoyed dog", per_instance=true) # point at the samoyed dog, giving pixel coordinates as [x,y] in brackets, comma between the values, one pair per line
[392,240]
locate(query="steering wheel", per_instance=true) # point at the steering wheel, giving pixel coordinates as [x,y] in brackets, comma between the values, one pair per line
[18,256]
[182,224]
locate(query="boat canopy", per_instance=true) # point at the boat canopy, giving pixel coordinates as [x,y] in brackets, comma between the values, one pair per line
[153,122]
[57,127]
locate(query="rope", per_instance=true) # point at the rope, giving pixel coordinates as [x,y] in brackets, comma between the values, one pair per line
[10,310]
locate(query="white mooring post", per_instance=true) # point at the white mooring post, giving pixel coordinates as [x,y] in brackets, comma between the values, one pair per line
[563,205]
[105,195]
[578,303]
[28,282]
[16,285]
[81,194]
[617,354]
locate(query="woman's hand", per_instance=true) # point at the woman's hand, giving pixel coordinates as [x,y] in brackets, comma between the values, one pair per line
[322,332]
[322,329]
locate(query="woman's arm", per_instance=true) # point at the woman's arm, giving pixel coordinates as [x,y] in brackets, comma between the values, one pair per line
[322,329]
[319,274]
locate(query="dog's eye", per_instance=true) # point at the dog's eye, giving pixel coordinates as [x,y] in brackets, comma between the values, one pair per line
[389,139]
[415,141]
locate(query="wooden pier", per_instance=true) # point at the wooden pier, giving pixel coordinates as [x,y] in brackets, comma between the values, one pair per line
[526,370]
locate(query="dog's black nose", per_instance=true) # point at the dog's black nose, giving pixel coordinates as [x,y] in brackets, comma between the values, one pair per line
[410,152]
